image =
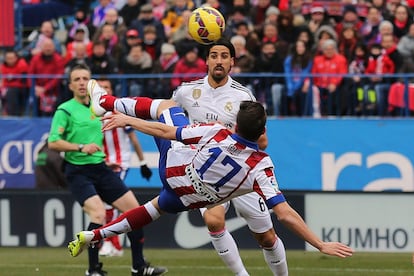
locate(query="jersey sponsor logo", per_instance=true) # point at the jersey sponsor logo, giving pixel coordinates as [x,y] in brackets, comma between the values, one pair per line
[196,93]
[195,104]
[199,234]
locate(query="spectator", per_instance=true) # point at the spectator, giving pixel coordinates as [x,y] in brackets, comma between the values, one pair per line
[357,66]
[112,18]
[16,92]
[318,17]
[34,47]
[406,45]
[81,37]
[99,12]
[111,40]
[350,19]
[287,31]
[324,33]
[270,34]
[348,40]
[297,67]
[130,11]
[397,105]
[47,90]
[390,46]
[145,18]
[258,14]
[173,17]
[401,20]
[243,61]
[381,5]
[132,39]
[138,61]
[191,65]
[377,88]
[165,64]
[253,43]
[385,28]
[328,69]
[81,20]
[268,90]
[101,62]
[272,15]
[152,43]
[306,35]
[182,31]
[159,7]
[237,16]
[370,29]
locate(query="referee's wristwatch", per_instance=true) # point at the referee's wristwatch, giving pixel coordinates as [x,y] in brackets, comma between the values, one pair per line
[80,147]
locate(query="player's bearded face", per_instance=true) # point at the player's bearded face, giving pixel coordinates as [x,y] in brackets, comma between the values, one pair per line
[219,63]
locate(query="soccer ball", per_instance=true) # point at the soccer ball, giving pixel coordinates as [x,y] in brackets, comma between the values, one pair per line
[206,25]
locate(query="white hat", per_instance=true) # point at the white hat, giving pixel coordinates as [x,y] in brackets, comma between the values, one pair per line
[272,10]
[167,48]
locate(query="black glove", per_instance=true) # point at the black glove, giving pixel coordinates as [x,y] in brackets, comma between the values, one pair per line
[146,172]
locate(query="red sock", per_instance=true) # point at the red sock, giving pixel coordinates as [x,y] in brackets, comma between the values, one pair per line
[143,107]
[107,102]
[137,218]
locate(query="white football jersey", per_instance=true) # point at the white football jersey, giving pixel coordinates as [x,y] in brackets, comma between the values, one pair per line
[205,104]
[226,165]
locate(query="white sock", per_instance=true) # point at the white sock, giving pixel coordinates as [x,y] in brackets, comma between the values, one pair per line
[116,228]
[276,258]
[227,249]
[126,106]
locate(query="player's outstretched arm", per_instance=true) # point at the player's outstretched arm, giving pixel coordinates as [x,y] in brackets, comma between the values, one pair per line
[292,220]
[157,129]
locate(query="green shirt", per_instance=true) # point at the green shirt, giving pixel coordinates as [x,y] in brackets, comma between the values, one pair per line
[75,123]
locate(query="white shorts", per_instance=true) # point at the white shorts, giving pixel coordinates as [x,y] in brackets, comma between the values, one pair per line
[253,209]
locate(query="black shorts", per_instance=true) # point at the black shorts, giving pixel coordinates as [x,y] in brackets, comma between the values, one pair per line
[85,181]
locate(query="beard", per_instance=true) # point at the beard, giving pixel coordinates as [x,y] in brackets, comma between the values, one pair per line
[219,76]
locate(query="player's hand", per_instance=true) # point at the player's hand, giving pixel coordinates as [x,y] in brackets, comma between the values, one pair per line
[336,249]
[146,172]
[114,120]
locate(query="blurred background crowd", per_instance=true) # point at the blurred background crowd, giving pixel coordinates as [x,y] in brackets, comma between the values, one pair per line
[300,58]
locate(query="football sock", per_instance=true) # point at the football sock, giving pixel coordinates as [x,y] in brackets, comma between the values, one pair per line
[136,237]
[128,221]
[93,251]
[136,107]
[276,258]
[226,248]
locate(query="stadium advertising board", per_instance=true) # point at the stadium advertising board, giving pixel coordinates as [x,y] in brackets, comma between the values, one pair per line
[316,155]
[51,218]
[364,221]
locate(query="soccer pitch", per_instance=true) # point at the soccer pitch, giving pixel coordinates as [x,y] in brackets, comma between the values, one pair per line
[56,261]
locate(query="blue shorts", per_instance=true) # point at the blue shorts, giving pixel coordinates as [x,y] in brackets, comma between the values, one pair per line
[85,181]
[168,201]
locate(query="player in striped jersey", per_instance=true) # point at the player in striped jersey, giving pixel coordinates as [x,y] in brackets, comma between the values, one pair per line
[117,148]
[205,165]
[216,98]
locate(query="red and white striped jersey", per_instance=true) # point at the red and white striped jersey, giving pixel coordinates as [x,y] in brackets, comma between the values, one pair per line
[117,147]
[226,164]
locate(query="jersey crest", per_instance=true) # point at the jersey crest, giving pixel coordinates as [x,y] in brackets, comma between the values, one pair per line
[228,107]
[196,93]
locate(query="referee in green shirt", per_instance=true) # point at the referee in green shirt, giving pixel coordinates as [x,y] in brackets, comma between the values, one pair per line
[77,132]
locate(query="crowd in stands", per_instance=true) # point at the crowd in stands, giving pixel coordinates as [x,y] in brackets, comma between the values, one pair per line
[339,58]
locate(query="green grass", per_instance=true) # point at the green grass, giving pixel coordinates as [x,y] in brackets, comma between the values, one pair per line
[56,261]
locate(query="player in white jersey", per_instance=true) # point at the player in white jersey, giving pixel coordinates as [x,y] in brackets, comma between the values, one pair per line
[214,98]
[206,165]
[117,148]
